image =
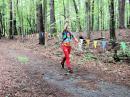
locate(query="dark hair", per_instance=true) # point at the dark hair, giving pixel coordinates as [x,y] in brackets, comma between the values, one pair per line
[63,33]
[65,30]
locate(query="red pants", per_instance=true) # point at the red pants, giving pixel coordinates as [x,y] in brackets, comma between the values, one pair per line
[66,50]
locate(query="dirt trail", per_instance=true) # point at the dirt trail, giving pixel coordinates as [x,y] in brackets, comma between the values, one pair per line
[25,79]
[42,77]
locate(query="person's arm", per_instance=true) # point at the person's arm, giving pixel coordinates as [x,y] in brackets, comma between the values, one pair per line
[75,39]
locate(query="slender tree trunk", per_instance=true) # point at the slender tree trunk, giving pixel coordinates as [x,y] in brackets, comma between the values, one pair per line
[14,20]
[45,15]
[112,21]
[40,26]
[14,27]
[101,19]
[0,32]
[121,14]
[67,14]
[19,15]
[19,18]
[11,21]
[0,26]
[92,15]
[129,16]
[3,20]
[77,17]
[98,19]
[30,23]
[52,18]
[64,10]
[45,20]
[88,18]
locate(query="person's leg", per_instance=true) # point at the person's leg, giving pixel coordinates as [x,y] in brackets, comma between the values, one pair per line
[63,62]
[69,65]
[67,50]
[64,58]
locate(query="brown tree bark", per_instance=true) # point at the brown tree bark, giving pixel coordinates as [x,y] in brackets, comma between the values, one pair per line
[11,21]
[88,18]
[92,15]
[52,18]
[121,14]
[129,17]
[45,15]
[19,18]
[0,25]
[64,9]
[14,21]
[40,25]
[112,21]
[0,31]
[77,17]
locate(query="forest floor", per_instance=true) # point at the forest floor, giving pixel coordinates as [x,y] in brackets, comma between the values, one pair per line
[32,70]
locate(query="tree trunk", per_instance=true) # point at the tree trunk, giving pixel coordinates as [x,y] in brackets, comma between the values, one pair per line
[19,18]
[14,21]
[0,31]
[64,10]
[2,20]
[121,14]
[112,21]
[93,15]
[30,23]
[0,25]
[98,16]
[77,17]
[40,26]
[52,18]
[129,16]
[88,18]
[14,27]
[45,15]
[11,21]
[101,19]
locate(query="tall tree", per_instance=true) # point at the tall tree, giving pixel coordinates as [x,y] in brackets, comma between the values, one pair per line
[121,14]
[45,14]
[129,15]
[40,25]
[92,14]
[88,17]
[0,31]
[0,26]
[2,18]
[101,18]
[14,19]
[112,21]
[52,18]
[64,9]
[11,21]
[19,17]
[77,16]
[98,15]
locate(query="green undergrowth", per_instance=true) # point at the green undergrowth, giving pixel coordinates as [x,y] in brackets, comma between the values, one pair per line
[89,56]
[23,59]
